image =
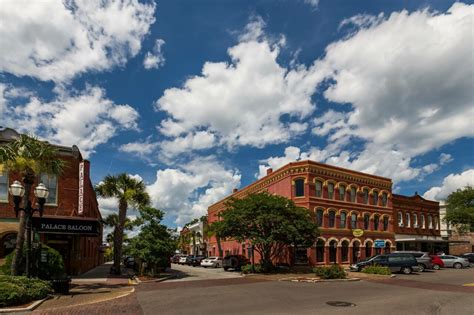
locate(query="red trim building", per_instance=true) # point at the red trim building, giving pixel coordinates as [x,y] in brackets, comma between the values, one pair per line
[74,222]
[354,210]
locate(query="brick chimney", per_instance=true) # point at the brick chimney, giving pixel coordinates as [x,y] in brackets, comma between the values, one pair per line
[234,190]
[269,171]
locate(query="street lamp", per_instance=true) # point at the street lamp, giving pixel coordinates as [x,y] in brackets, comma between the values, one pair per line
[18,192]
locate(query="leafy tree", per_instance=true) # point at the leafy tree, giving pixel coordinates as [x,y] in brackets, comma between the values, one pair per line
[28,157]
[270,223]
[155,243]
[129,192]
[460,209]
[112,221]
[183,240]
[215,229]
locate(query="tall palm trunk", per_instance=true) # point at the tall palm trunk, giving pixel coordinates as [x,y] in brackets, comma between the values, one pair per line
[28,180]
[119,236]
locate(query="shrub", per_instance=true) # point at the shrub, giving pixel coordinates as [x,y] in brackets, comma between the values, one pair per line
[377,270]
[18,290]
[332,272]
[248,269]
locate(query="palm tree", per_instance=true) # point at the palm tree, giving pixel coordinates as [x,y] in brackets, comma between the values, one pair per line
[214,229]
[129,192]
[28,157]
[112,221]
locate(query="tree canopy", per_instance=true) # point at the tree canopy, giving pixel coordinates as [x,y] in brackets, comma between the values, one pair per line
[460,209]
[269,222]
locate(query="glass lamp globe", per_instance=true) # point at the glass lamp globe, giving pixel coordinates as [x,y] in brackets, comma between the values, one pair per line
[16,189]
[41,191]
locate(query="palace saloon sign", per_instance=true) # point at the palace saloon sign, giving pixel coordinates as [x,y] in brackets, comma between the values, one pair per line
[66,226]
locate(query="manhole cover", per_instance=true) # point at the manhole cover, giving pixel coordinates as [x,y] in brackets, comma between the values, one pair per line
[340,303]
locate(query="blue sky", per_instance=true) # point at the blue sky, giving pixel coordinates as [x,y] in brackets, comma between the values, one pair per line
[199,97]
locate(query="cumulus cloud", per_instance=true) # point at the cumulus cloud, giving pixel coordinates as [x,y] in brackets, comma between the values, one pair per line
[155,59]
[451,183]
[241,102]
[185,192]
[313,3]
[57,40]
[86,119]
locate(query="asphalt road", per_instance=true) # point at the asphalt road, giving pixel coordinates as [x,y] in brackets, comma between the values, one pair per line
[188,273]
[213,293]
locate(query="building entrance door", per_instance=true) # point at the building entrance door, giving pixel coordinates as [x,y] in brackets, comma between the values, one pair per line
[301,256]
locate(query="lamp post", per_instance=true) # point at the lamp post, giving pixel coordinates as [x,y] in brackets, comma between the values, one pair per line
[18,192]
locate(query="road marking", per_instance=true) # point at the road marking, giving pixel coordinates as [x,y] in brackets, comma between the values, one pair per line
[468,285]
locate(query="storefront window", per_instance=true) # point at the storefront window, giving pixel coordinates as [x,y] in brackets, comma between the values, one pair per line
[353,221]
[342,192]
[3,185]
[366,221]
[51,182]
[345,251]
[332,251]
[332,218]
[342,223]
[320,251]
[319,189]
[299,188]
[353,194]
[385,223]
[368,249]
[376,223]
[331,191]
[319,217]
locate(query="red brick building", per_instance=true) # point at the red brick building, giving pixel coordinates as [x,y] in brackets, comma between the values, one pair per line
[354,211]
[71,222]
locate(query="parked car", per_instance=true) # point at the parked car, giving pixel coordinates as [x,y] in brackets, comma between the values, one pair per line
[195,261]
[182,260]
[129,262]
[437,262]
[234,262]
[214,262]
[469,256]
[424,260]
[396,262]
[454,261]
[175,259]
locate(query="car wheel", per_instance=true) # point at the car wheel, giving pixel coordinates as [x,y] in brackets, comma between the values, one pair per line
[226,268]
[421,267]
[457,266]
[436,267]
[406,270]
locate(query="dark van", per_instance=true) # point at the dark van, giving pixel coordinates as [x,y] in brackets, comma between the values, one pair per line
[396,262]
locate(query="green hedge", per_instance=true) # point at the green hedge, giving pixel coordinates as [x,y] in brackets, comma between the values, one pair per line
[377,270]
[20,290]
[332,272]
[248,269]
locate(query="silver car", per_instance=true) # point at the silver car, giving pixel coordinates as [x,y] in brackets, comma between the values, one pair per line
[454,261]
[423,259]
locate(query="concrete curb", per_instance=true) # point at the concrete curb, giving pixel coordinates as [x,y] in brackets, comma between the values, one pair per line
[157,280]
[319,280]
[30,308]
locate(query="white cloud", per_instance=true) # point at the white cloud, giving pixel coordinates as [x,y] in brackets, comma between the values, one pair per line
[451,183]
[192,141]
[445,158]
[185,193]
[313,3]
[141,149]
[86,119]
[155,59]
[57,40]
[242,102]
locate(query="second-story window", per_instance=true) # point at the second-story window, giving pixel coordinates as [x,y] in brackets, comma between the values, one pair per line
[384,199]
[400,219]
[430,222]
[299,188]
[332,219]
[366,196]
[375,198]
[342,192]
[319,217]
[343,222]
[3,185]
[422,221]
[385,223]
[319,188]
[407,219]
[376,223]
[436,227]
[353,221]
[51,182]
[331,191]
[366,221]
[353,194]
[415,220]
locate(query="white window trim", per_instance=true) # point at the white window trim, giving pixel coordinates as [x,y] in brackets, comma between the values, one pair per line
[8,181]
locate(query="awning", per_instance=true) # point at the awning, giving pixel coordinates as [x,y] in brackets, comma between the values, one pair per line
[67,225]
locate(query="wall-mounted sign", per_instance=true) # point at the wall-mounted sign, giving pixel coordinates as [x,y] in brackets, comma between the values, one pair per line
[66,226]
[358,232]
[379,243]
[80,207]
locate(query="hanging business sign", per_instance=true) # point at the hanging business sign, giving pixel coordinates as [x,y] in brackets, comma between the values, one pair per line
[80,207]
[357,232]
[66,226]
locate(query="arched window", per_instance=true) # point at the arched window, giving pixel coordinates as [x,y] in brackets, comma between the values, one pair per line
[353,194]
[430,222]
[385,223]
[436,223]
[376,222]
[332,251]
[355,251]
[422,221]
[342,192]
[415,220]
[387,248]
[332,219]
[400,219]
[407,218]
[319,188]
[330,190]
[366,196]
[368,249]
[319,217]
[353,221]
[320,251]
[345,251]
[375,198]
[384,199]
[343,222]
[299,187]
[366,221]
